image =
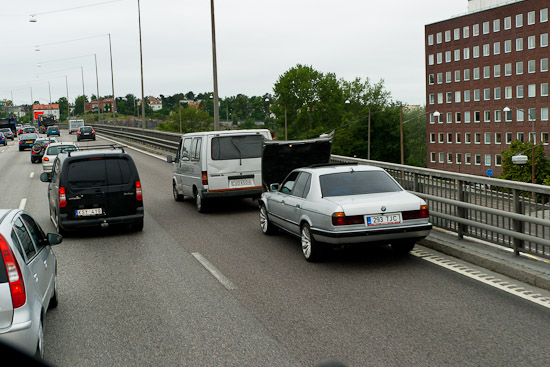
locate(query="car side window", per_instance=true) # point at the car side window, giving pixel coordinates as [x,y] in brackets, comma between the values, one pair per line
[18,245]
[185,149]
[288,184]
[24,238]
[196,153]
[36,232]
[300,186]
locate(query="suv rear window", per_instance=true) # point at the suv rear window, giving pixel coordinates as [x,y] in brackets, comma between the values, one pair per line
[99,172]
[237,147]
[356,183]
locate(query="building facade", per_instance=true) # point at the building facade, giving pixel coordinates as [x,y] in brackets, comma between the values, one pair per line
[487,85]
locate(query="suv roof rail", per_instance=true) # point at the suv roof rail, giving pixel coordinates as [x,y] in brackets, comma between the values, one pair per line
[96,147]
[334,164]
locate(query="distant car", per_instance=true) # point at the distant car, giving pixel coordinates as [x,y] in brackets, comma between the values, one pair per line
[8,133]
[20,130]
[30,130]
[343,205]
[94,188]
[53,130]
[27,140]
[39,148]
[28,280]
[52,150]
[3,139]
[85,132]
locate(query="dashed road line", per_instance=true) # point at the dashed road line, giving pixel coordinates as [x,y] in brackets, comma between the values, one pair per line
[31,175]
[484,278]
[22,203]
[215,272]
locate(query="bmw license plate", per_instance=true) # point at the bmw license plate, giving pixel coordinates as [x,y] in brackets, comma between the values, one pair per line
[382,219]
[241,182]
[88,212]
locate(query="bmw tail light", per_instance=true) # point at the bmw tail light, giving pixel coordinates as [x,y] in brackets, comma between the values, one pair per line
[15,278]
[204,178]
[62,198]
[46,159]
[340,219]
[139,196]
[417,214]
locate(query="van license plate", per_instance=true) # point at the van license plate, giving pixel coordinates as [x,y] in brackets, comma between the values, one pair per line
[241,182]
[88,212]
[382,219]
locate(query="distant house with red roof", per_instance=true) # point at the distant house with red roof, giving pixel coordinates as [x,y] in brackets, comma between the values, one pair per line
[45,109]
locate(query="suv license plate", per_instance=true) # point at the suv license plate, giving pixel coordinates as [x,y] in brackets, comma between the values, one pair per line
[88,212]
[241,182]
[383,219]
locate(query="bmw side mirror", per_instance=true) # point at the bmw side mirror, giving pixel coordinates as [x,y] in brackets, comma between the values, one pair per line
[54,238]
[45,177]
[274,187]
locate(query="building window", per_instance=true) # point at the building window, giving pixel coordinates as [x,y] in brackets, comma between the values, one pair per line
[441,157]
[498,160]
[477,116]
[465,32]
[532,114]
[544,90]
[487,94]
[508,92]
[467,117]
[519,91]
[431,79]
[457,75]
[432,157]
[508,138]
[507,23]
[468,158]
[430,39]
[439,78]
[487,138]
[519,115]
[467,138]
[458,158]
[450,138]
[438,37]
[430,59]
[485,27]
[532,90]
[466,75]
[457,55]
[507,46]
[486,49]
[496,48]
[466,53]
[533,138]
[458,138]
[531,18]
[496,93]
[520,137]
[439,57]
[544,15]
[432,138]
[508,116]
[544,138]
[475,30]
[467,96]
[544,114]
[476,73]
[544,64]
[519,44]
[447,36]
[519,67]
[531,44]
[498,138]
[498,115]
[486,116]
[441,140]
[456,34]
[477,159]
[519,20]
[449,158]
[432,98]
[449,117]
[458,117]
[432,118]
[475,51]
[439,98]
[457,97]
[531,66]
[447,56]
[449,97]
[448,77]
[496,71]
[486,72]
[544,40]
[508,69]
[487,159]
[496,25]
[476,95]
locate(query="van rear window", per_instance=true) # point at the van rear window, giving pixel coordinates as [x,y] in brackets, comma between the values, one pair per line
[99,172]
[237,147]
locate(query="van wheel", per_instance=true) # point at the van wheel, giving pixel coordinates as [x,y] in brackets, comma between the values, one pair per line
[200,202]
[177,195]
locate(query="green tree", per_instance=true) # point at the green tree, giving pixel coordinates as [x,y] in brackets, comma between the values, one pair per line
[79,104]
[192,119]
[63,106]
[517,172]
[414,137]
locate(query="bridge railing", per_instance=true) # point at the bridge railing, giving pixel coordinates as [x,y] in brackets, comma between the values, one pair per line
[505,213]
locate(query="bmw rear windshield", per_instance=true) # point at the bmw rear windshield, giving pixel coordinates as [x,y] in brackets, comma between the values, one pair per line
[357,183]
[237,147]
[97,172]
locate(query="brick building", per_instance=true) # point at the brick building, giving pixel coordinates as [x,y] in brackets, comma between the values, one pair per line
[479,66]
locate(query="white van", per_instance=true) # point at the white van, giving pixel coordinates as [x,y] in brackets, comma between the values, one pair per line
[74,125]
[216,164]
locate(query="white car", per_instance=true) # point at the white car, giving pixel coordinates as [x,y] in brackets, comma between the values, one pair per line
[52,151]
[344,204]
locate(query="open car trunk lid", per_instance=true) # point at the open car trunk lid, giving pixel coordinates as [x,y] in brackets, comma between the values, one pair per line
[279,158]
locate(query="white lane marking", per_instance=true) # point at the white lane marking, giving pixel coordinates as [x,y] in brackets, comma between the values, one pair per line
[31,175]
[162,158]
[22,204]
[215,272]
[508,287]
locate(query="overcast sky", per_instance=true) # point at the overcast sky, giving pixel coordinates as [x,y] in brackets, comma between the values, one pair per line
[257,41]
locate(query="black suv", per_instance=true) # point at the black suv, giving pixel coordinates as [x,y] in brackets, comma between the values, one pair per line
[96,187]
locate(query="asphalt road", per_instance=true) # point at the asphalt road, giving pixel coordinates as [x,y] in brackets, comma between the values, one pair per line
[140,299]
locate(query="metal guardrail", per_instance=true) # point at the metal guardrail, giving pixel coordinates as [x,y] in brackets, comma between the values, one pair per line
[506,213]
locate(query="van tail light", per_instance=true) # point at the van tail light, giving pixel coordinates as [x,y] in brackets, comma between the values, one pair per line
[417,214]
[204,178]
[139,195]
[340,219]
[62,198]
[15,278]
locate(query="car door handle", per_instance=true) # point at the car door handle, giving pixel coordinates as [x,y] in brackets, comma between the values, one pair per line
[46,263]
[36,277]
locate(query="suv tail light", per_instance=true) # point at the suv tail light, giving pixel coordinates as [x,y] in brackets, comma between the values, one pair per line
[17,285]
[204,178]
[62,198]
[340,219]
[417,214]
[139,196]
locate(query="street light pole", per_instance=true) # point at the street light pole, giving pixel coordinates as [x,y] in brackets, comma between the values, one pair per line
[214,62]
[141,63]
[68,106]
[401,133]
[83,93]
[113,106]
[97,84]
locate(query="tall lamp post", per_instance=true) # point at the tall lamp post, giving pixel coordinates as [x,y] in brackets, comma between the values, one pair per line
[532,118]
[215,71]
[141,63]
